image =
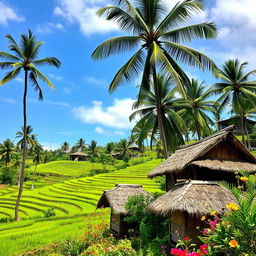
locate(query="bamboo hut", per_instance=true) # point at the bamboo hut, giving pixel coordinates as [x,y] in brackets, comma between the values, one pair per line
[186,202]
[214,158]
[116,199]
[79,156]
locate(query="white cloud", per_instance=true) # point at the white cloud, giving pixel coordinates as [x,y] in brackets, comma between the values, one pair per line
[19,79]
[83,12]
[56,77]
[119,133]
[49,28]
[236,23]
[100,130]
[66,90]
[116,116]
[8,14]
[50,146]
[9,100]
[94,80]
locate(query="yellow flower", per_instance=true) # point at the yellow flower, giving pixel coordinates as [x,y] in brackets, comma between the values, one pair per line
[203,218]
[232,206]
[244,179]
[212,213]
[233,243]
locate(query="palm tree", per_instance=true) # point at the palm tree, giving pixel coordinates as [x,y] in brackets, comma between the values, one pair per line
[31,138]
[110,148]
[93,148]
[197,108]
[7,151]
[24,57]
[37,155]
[123,148]
[173,125]
[65,147]
[80,145]
[235,87]
[159,40]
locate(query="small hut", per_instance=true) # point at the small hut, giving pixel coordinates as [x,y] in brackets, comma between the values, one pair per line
[187,202]
[214,158]
[79,156]
[116,199]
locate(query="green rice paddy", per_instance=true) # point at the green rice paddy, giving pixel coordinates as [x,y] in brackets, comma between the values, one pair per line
[73,201]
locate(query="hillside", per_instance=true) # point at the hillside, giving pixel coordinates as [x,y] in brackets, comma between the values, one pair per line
[72,200]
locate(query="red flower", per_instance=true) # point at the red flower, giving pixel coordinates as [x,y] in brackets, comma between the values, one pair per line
[185,238]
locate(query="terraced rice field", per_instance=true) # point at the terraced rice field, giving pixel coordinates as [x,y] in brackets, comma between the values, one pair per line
[70,200]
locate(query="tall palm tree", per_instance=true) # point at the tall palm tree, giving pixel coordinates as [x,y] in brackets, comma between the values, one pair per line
[159,40]
[24,57]
[110,148]
[31,138]
[198,108]
[37,155]
[7,151]
[146,106]
[123,148]
[93,148]
[80,145]
[65,147]
[234,87]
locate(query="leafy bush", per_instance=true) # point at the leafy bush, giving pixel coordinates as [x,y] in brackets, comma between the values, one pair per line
[162,182]
[49,213]
[8,176]
[73,247]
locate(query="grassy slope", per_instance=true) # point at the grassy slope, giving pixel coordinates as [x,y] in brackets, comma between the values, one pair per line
[74,197]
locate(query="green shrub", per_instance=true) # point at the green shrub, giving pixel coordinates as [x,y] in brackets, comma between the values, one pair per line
[73,247]
[8,176]
[49,213]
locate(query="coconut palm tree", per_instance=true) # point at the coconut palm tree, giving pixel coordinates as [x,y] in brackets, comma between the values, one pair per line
[146,106]
[7,151]
[37,155]
[65,147]
[158,36]
[80,145]
[124,148]
[23,57]
[93,148]
[110,148]
[198,108]
[234,87]
[31,138]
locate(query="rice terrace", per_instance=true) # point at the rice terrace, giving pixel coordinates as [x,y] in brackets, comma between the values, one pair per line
[128,128]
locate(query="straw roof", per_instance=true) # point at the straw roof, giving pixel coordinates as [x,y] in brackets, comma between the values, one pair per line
[117,197]
[187,154]
[78,154]
[196,198]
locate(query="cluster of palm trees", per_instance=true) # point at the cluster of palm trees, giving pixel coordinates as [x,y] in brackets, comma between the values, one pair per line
[169,105]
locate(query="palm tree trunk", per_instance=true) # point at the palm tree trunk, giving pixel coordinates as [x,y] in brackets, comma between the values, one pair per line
[24,150]
[242,129]
[159,113]
[247,135]
[33,180]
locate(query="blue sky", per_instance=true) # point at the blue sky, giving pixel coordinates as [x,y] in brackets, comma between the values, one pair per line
[81,105]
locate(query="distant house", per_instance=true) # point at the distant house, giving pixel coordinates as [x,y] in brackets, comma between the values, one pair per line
[187,202]
[79,156]
[214,158]
[222,124]
[116,199]
[218,157]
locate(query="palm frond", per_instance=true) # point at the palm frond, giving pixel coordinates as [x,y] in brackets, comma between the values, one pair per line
[10,75]
[8,56]
[115,45]
[188,33]
[33,78]
[6,64]
[51,61]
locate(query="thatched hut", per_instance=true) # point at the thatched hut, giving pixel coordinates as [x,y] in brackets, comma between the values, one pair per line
[187,202]
[79,156]
[214,158]
[116,199]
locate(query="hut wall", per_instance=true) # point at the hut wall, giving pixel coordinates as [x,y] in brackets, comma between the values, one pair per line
[183,225]
[115,222]
[170,181]
[224,151]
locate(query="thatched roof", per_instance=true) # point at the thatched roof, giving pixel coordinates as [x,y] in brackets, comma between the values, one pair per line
[79,154]
[117,197]
[187,154]
[234,120]
[194,197]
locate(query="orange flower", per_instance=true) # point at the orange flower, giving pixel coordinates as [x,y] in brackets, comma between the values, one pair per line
[232,206]
[212,213]
[233,243]
[244,179]
[203,218]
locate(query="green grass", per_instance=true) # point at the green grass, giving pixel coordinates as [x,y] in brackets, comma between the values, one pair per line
[70,199]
